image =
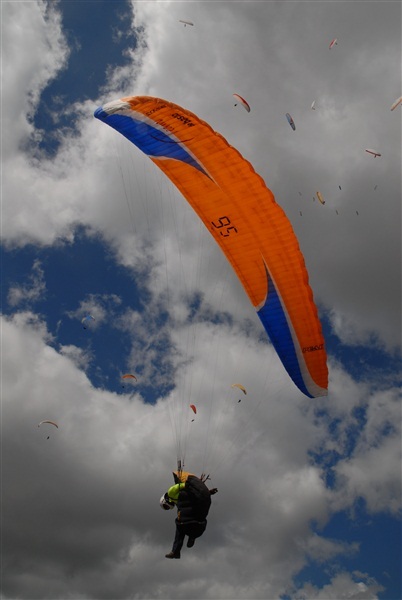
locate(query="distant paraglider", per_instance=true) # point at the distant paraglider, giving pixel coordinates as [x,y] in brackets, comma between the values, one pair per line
[242,101]
[186,23]
[240,386]
[397,102]
[373,152]
[87,320]
[320,197]
[128,377]
[50,423]
[194,409]
[333,43]
[291,122]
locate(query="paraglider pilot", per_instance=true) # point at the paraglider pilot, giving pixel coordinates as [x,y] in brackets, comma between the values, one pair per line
[193,500]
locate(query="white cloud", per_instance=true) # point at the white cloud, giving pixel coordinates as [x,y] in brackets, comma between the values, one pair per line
[79,357]
[33,38]
[342,252]
[373,475]
[98,306]
[321,549]
[86,478]
[342,586]
[79,507]
[30,292]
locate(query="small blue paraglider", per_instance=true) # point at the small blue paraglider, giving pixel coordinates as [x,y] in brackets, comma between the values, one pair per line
[87,320]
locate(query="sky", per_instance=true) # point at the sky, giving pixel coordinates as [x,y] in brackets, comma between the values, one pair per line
[309,501]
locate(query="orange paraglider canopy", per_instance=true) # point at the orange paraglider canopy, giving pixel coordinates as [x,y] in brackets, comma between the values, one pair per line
[242,216]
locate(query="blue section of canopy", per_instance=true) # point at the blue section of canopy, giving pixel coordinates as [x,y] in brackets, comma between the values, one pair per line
[150,140]
[273,317]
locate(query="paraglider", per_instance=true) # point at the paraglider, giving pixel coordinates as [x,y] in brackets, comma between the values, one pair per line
[240,386]
[333,43]
[313,105]
[373,152]
[244,219]
[320,197]
[242,101]
[194,409]
[128,377]
[87,320]
[50,423]
[186,22]
[291,122]
[193,500]
[397,102]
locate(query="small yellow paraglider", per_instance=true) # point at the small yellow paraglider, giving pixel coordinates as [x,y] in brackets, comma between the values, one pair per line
[397,103]
[320,197]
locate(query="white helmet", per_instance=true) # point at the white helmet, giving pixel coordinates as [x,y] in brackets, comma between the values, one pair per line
[165,503]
